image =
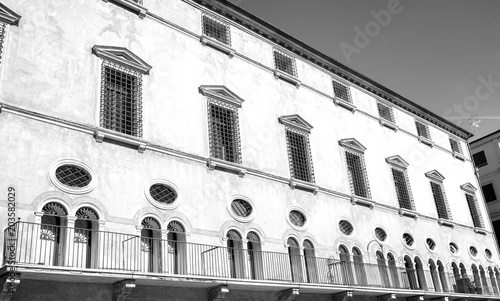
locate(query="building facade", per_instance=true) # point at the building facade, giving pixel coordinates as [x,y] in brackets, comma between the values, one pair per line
[486,156]
[187,150]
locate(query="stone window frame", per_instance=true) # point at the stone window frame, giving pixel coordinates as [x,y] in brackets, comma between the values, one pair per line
[423,133]
[472,203]
[73,190]
[242,219]
[437,178]
[303,212]
[387,121]
[399,164]
[354,147]
[157,204]
[345,103]
[290,77]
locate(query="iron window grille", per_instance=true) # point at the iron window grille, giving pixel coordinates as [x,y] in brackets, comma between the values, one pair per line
[3,28]
[342,91]
[121,99]
[285,63]
[241,207]
[489,192]
[299,155]
[87,213]
[453,248]
[455,146]
[346,227]
[423,130]
[403,190]
[488,253]
[477,219]
[73,176]
[163,193]
[408,239]
[385,112]
[430,243]
[175,226]
[356,170]
[217,29]
[473,251]
[440,200]
[480,159]
[224,132]
[297,218]
[380,234]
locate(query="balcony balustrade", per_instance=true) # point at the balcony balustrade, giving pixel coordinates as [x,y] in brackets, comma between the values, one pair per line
[48,245]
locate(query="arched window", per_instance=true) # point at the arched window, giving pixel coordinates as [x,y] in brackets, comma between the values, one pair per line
[255,256]
[421,281]
[382,269]
[176,247]
[235,254]
[84,252]
[310,262]
[295,260]
[53,231]
[393,270]
[465,279]
[435,276]
[410,272]
[494,284]
[151,245]
[442,276]
[359,267]
[346,266]
[477,280]
[486,288]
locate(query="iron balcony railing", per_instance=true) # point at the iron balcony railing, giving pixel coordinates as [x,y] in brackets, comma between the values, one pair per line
[48,245]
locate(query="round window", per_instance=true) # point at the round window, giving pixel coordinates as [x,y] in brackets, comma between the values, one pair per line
[473,251]
[241,208]
[408,239]
[488,253]
[380,234]
[163,193]
[453,248]
[72,176]
[430,244]
[297,218]
[345,227]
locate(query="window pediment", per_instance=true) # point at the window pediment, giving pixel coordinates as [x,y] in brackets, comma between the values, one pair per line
[435,175]
[8,16]
[221,93]
[122,56]
[468,187]
[397,161]
[296,122]
[352,144]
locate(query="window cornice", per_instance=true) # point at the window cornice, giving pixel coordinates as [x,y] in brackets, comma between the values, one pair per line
[221,93]
[468,187]
[397,161]
[296,122]
[435,175]
[7,16]
[121,56]
[353,144]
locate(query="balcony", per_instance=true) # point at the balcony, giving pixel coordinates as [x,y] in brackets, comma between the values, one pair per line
[40,247]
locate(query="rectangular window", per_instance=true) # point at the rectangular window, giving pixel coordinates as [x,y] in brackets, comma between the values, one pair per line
[299,156]
[357,175]
[121,99]
[440,200]
[342,91]
[285,63]
[489,193]
[402,189]
[455,146]
[216,29]
[423,130]
[474,211]
[224,132]
[480,159]
[385,112]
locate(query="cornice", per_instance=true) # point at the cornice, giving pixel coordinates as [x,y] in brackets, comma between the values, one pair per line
[275,35]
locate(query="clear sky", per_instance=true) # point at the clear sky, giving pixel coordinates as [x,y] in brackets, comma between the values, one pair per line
[442,54]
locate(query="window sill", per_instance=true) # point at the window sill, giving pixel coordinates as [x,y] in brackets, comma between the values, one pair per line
[446,223]
[137,8]
[408,213]
[388,124]
[206,40]
[426,141]
[346,105]
[480,231]
[214,163]
[458,156]
[278,74]
[358,200]
[303,185]
[102,133]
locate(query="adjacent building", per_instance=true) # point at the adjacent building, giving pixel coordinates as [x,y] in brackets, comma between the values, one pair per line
[486,155]
[188,150]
